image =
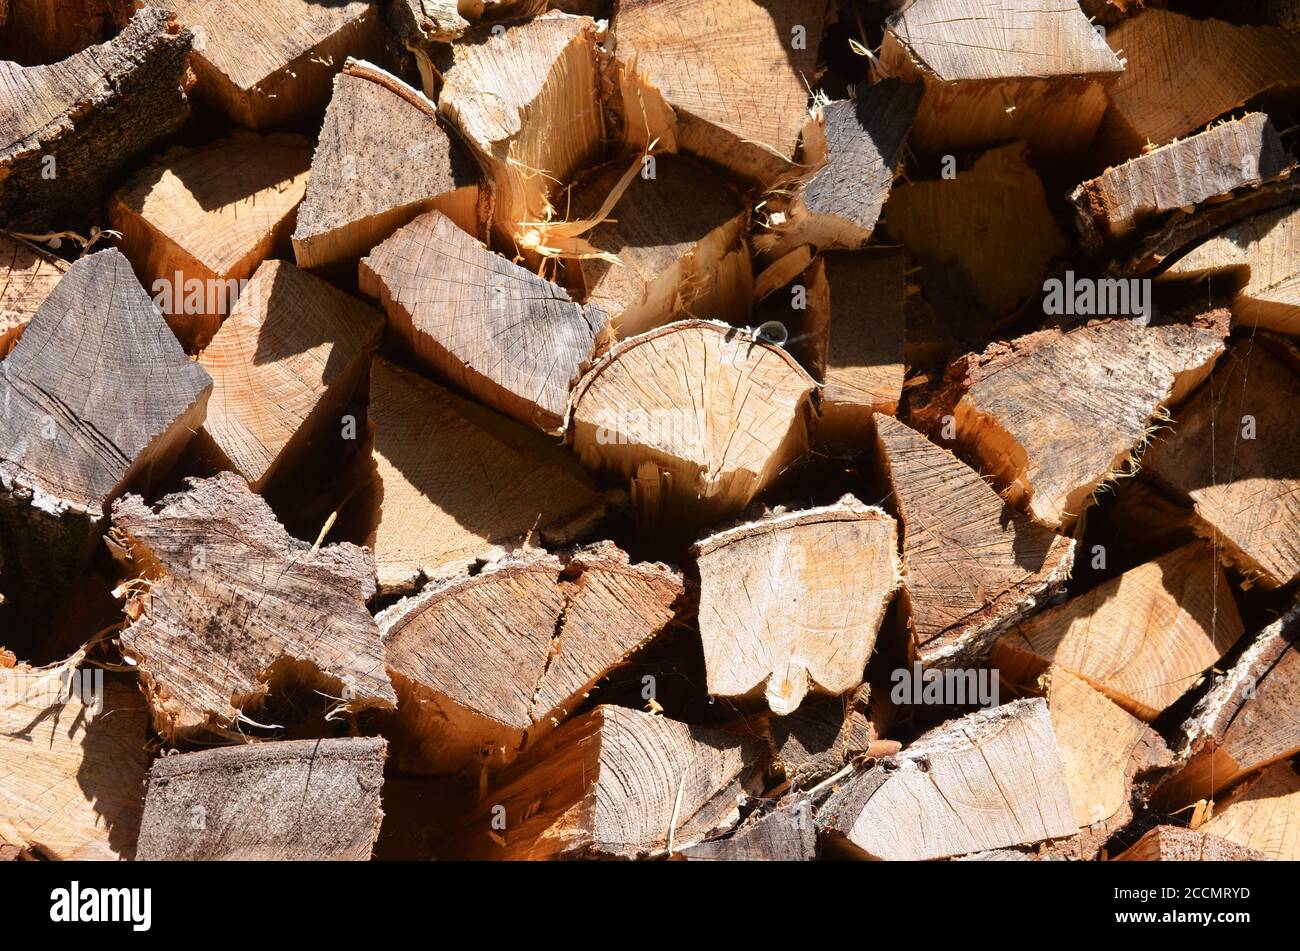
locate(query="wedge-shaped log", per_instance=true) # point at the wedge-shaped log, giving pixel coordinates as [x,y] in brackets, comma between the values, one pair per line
[1054,415]
[620,784]
[1001,764]
[698,416]
[382,160]
[1246,491]
[27,276]
[54,29]
[232,608]
[456,483]
[678,233]
[1247,721]
[80,423]
[1264,815]
[1144,638]
[272,63]
[91,115]
[297,800]
[493,329]
[524,98]
[197,222]
[284,364]
[1176,844]
[1182,72]
[487,665]
[72,752]
[974,565]
[1139,193]
[854,147]
[990,225]
[685,85]
[1261,255]
[792,603]
[786,834]
[1001,69]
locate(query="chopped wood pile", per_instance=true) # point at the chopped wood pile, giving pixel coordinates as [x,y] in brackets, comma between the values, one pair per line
[706,430]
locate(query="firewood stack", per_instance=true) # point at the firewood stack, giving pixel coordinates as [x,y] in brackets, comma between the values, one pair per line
[692,429]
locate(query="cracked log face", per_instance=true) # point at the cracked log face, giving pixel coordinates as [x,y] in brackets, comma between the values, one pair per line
[487,665]
[792,603]
[1261,816]
[230,608]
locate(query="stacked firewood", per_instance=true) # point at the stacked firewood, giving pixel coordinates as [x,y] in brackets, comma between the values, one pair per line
[693,429]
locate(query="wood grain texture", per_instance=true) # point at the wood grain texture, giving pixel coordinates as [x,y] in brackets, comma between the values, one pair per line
[272,63]
[197,221]
[487,665]
[724,81]
[1183,72]
[1143,638]
[1246,492]
[1239,153]
[233,608]
[620,784]
[974,565]
[455,483]
[1054,415]
[1167,843]
[381,161]
[55,29]
[283,365]
[493,329]
[821,737]
[95,113]
[698,416]
[1001,69]
[786,834]
[290,801]
[27,276]
[791,603]
[1265,815]
[990,780]
[73,775]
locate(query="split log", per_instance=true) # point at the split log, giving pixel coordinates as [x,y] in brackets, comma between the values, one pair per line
[728,82]
[1143,639]
[73,757]
[196,223]
[1247,721]
[1002,765]
[678,233]
[487,665]
[524,99]
[1265,816]
[855,147]
[1111,759]
[699,417]
[285,363]
[1056,414]
[273,63]
[620,784]
[493,329]
[382,160]
[1240,153]
[86,119]
[433,517]
[1261,256]
[1001,69]
[786,834]
[55,29]
[973,564]
[1183,72]
[297,800]
[1176,844]
[1246,491]
[27,276]
[792,602]
[990,224]
[232,609]
[80,425]
[824,734]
